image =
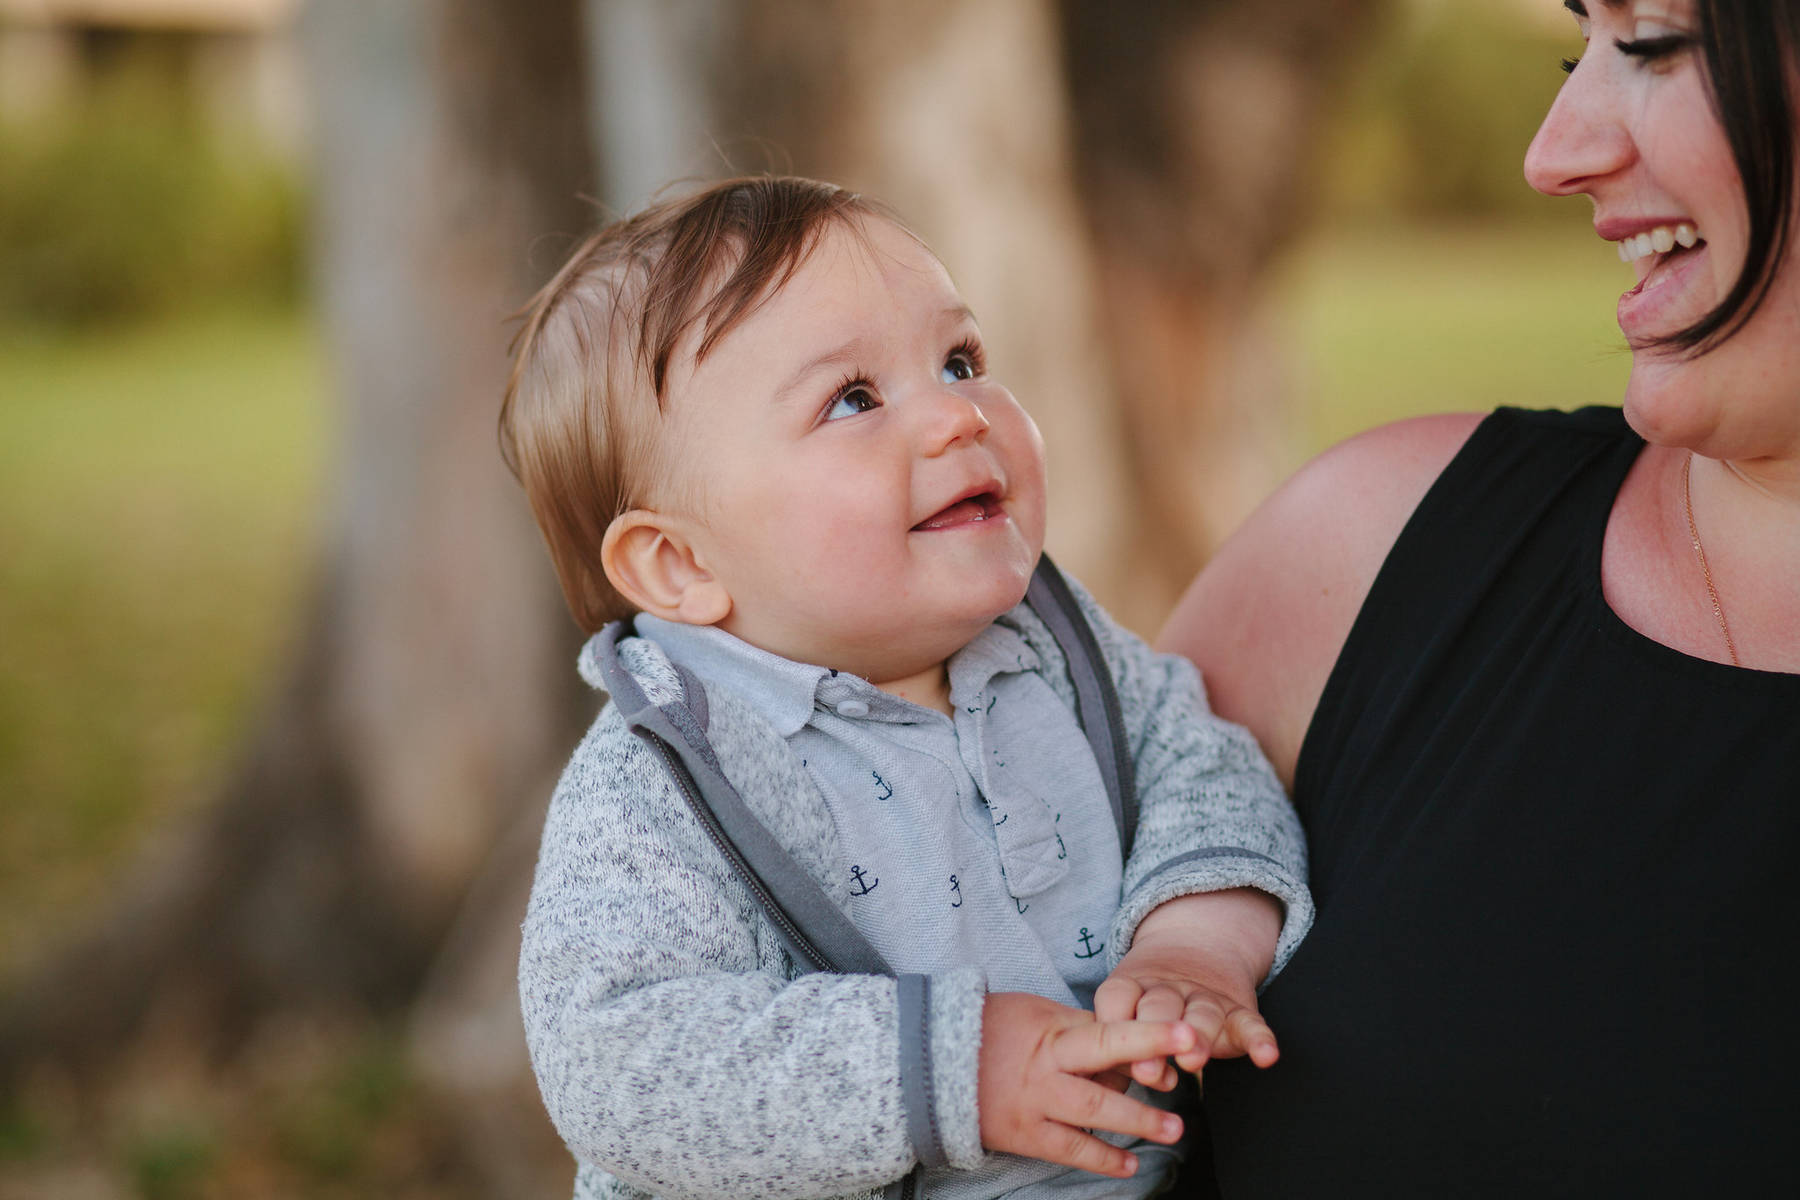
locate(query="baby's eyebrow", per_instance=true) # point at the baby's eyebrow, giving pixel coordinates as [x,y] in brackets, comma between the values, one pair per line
[960,312]
[842,356]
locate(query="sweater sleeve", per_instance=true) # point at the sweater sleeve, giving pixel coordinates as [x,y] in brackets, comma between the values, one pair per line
[671,1049]
[1211,813]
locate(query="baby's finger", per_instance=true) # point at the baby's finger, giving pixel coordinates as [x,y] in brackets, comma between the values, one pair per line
[1096,1046]
[1116,999]
[1086,1105]
[1205,1011]
[1247,1033]
[1160,1002]
[1113,1081]
[1071,1147]
[1206,1014]
[1154,1073]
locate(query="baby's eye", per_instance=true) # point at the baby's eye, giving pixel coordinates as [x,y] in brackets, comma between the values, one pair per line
[850,400]
[964,363]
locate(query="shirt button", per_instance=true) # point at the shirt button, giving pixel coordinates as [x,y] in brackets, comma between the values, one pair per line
[853,708]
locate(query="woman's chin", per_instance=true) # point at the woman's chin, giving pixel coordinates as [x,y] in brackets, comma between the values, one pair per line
[1661,406]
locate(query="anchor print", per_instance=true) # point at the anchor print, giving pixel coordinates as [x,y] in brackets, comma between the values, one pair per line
[886,790]
[956,890]
[1062,851]
[1021,906]
[865,886]
[991,699]
[1087,939]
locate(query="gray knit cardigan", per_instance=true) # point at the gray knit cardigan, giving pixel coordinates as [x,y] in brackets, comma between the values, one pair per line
[682,1054]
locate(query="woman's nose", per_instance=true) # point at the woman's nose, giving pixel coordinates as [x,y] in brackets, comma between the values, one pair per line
[1580,141]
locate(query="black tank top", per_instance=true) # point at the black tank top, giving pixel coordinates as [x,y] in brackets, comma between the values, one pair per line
[1558,942]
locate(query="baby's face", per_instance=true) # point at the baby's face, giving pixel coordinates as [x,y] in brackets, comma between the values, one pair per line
[869,497]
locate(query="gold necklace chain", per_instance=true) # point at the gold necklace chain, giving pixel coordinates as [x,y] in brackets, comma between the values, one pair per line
[1687,502]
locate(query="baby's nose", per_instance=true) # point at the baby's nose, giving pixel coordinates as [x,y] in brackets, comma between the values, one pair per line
[955,418]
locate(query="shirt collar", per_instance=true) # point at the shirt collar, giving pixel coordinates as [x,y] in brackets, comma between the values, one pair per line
[785,692]
[779,688]
[996,650]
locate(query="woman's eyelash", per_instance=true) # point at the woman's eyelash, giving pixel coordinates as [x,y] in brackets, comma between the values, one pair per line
[1646,48]
[1654,47]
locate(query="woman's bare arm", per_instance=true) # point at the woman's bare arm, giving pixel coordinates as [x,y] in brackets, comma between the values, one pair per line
[1267,617]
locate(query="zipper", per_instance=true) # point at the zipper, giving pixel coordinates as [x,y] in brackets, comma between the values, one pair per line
[710,822]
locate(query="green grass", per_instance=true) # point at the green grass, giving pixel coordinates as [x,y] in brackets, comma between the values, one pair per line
[157,495]
[1391,324]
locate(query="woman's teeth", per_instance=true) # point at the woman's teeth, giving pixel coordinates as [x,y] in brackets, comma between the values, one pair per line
[1660,240]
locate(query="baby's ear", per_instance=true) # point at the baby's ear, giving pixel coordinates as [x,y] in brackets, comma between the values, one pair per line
[650,558]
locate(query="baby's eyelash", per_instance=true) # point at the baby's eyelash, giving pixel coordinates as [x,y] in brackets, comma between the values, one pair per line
[1569,65]
[857,391]
[851,380]
[970,349]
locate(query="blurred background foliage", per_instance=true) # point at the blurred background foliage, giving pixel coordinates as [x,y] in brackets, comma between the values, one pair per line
[164,429]
[1434,123]
[132,200]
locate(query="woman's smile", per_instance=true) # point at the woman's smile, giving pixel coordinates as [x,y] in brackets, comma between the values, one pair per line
[1664,295]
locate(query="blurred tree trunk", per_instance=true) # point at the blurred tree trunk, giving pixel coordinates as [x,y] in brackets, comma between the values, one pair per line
[432,697]
[1194,124]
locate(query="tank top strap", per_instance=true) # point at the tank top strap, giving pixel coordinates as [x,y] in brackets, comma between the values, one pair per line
[1523,475]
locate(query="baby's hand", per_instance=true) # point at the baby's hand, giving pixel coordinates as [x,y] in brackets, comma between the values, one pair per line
[1198,959]
[1035,1092]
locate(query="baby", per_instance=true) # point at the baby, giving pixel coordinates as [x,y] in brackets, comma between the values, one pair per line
[756,426]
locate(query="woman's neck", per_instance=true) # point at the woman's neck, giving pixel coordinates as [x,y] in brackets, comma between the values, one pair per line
[1776,480]
[1746,517]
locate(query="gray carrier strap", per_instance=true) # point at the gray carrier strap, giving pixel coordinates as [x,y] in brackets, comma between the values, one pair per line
[817,932]
[1096,700]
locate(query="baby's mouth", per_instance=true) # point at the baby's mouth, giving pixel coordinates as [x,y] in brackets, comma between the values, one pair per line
[981,507]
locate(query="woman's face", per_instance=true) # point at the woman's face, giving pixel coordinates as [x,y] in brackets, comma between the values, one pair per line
[1634,130]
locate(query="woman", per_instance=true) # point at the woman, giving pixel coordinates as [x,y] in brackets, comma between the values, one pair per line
[1534,681]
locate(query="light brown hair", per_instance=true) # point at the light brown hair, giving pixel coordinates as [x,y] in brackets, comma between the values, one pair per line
[581,420]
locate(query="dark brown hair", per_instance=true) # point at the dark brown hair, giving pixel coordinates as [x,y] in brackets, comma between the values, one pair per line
[581,419]
[1749,47]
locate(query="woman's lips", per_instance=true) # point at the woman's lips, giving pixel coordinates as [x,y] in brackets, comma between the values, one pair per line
[974,509]
[1662,301]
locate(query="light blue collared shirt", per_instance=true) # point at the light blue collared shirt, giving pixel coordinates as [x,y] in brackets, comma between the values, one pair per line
[981,840]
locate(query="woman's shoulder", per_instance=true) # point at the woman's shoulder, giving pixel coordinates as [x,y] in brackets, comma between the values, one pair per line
[1267,617]
[1384,471]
